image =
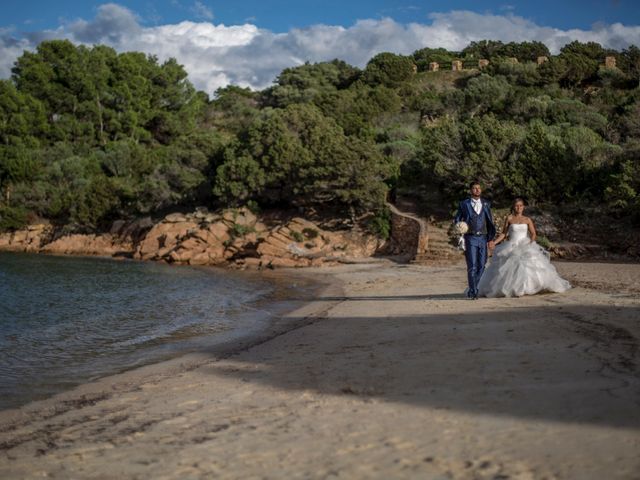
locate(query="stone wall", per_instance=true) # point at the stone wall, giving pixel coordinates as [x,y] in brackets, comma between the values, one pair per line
[409,236]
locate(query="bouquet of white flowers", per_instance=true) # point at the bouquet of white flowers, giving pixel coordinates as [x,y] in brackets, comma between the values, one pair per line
[456,234]
[461,228]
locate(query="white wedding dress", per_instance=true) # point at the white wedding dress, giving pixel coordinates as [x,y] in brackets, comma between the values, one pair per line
[520,267]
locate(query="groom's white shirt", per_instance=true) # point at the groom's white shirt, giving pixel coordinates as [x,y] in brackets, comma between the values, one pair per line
[477,205]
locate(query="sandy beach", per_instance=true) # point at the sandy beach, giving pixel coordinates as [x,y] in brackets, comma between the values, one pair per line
[388,373]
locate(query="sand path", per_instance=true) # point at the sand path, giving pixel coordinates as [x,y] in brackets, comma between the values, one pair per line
[393,375]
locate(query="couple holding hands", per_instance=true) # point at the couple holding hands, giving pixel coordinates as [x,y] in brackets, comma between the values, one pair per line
[519,265]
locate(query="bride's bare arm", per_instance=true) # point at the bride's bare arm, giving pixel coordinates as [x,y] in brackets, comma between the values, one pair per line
[532,230]
[505,229]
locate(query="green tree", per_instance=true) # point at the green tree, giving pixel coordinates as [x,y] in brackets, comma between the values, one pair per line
[486,49]
[629,63]
[298,156]
[485,93]
[455,153]
[423,57]
[582,61]
[388,69]
[526,51]
[541,168]
[356,109]
[305,83]
[232,110]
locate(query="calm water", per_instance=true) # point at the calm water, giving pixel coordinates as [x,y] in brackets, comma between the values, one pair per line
[65,320]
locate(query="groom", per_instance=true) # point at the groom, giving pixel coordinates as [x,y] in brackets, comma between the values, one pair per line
[476,213]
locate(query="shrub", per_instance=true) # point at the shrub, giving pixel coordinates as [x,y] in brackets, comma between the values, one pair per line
[240,230]
[13,218]
[310,233]
[544,242]
[380,224]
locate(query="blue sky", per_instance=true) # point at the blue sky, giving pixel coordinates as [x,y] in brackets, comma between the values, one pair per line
[249,42]
[282,15]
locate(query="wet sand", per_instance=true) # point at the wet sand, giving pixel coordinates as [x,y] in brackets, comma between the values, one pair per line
[389,373]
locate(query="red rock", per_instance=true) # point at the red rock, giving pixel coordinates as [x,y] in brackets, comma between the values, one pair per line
[220,231]
[253,262]
[215,252]
[245,218]
[87,245]
[278,240]
[269,249]
[200,259]
[193,245]
[162,235]
[317,262]
[260,227]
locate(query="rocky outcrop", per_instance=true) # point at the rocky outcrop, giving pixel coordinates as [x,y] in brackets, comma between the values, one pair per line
[78,244]
[301,243]
[238,238]
[233,237]
[31,239]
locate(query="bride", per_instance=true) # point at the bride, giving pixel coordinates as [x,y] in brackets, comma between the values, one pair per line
[519,265]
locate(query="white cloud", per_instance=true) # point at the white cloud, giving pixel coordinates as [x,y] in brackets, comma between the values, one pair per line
[10,49]
[202,11]
[113,24]
[216,55]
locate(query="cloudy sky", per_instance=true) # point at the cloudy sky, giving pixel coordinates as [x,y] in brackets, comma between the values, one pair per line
[248,42]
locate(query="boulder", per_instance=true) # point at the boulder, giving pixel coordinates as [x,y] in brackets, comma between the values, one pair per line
[270,249]
[5,240]
[229,217]
[299,224]
[206,237]
[277,238]
[260,227]
[251,238]
[245,218]
[201,258]
[252,262]
[193,245]
[163,235]
[215,252]
[220,231]
[78,244]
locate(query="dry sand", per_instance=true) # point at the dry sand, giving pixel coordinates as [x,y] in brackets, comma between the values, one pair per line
[389,374]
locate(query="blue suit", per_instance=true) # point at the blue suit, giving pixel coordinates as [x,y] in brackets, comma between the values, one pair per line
[476,245]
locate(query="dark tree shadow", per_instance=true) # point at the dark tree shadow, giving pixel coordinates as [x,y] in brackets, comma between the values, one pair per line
[557,363]
[364,298]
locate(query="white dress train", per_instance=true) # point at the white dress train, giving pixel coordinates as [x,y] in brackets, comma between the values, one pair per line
[520,267]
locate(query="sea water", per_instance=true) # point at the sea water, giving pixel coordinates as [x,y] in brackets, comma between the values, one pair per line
[68,320]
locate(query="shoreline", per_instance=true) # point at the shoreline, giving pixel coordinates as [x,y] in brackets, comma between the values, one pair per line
[387,373]
[279,304]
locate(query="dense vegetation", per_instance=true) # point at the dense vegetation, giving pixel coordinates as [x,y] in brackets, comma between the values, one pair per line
[88,135]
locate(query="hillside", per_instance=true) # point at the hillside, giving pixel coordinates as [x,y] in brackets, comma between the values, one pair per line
[89,136]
